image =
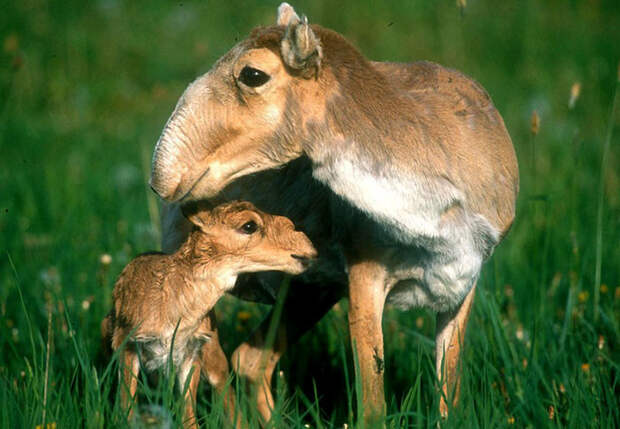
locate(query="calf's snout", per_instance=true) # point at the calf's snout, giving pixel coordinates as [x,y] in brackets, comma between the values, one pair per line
[302,248]
[306,261]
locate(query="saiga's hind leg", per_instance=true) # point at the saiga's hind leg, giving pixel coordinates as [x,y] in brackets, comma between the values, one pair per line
[449,339]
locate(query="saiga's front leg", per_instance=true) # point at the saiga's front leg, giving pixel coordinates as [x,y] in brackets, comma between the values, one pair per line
[367,292]
[449,342]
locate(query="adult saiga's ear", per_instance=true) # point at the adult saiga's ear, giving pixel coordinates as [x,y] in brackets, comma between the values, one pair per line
[301,49]
[287,15]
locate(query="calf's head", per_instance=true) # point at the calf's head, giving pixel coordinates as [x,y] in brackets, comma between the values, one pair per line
[245,114]
[249,240]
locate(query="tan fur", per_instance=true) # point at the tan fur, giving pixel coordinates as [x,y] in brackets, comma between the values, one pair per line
[450,125]
[365,315]
[158,296]
[286,15]
[449,342]
[418,177]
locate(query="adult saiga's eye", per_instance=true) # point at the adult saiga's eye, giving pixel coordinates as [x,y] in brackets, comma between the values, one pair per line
[249,227]
[253,77]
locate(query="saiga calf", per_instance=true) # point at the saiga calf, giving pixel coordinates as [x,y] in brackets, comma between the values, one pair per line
[402,175]
[164,302]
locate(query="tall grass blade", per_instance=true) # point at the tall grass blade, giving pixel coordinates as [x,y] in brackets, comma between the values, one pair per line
[47,364]
[600,209]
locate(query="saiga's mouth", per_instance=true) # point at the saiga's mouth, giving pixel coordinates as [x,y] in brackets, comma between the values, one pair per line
[191,189]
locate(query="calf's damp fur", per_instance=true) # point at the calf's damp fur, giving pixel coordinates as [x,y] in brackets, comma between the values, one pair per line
[163,303]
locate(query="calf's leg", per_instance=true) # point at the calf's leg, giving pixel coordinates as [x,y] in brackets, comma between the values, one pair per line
[215,368]
[189,415]
[129,380]
[449,338]
[255,360]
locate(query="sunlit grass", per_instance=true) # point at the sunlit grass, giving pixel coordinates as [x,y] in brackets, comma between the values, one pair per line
[85,89]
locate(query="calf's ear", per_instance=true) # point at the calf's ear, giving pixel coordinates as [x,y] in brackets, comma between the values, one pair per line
[198,213]
[301,49]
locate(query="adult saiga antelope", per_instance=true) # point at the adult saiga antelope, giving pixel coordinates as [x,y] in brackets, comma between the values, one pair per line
[403,176]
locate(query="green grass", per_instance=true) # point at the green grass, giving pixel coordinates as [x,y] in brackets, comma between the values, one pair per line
[85,89]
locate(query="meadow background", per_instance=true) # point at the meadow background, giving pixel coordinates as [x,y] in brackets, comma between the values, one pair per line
[85,89]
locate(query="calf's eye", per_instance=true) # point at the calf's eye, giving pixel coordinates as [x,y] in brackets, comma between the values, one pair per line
[249,227]
[253,77]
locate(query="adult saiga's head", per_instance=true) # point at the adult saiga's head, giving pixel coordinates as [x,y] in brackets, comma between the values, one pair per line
[250,112]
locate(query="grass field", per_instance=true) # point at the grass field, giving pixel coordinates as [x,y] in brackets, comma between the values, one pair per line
[85,89]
